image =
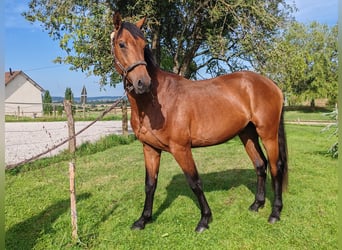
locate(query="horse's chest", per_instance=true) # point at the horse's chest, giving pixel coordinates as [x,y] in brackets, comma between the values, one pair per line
[146,134]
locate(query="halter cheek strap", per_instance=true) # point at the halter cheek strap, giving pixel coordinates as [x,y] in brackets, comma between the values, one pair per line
[124,70]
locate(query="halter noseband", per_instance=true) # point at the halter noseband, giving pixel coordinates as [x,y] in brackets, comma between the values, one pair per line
[124,70]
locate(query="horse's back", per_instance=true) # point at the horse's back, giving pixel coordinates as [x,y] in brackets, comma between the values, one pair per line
[219,108]
[266,99]
[254,92]
[244,91]
[257,84]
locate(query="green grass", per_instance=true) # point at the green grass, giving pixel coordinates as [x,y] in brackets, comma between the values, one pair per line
[110,189]
[86,148]
[307,114]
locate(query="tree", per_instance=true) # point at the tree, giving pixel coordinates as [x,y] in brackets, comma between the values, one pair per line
[47,103]
[68,95]
[185,36]
[303,60]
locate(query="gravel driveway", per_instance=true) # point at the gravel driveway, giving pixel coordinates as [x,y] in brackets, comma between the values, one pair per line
[24,140]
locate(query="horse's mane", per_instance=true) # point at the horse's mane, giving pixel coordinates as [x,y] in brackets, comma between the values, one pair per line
[149,57]
[137,33]
[134,30]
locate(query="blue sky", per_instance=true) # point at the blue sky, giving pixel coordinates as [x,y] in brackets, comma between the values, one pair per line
[29,48]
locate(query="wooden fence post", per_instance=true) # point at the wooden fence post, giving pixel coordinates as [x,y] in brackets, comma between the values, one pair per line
[73,208]
[54,110]
[72,168]
[18,113]
[124,118]
[71,126]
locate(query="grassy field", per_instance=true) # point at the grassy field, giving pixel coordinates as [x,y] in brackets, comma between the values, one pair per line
[305,114]
[110,189]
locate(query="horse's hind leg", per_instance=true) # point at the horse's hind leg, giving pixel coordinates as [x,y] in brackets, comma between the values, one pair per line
[269,138]
[250,140]
[272,148]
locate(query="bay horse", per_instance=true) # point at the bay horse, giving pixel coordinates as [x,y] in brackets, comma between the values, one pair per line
[173,114]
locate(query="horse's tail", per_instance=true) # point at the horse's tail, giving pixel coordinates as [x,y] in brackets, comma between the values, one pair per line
[283,159]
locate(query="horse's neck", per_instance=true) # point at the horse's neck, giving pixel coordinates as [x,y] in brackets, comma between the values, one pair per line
[141,102]
[162,79]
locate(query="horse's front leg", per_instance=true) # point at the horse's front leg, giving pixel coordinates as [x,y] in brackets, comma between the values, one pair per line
[184,158]
[152,162]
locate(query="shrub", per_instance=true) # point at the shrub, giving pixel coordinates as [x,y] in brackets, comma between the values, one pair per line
[333,150]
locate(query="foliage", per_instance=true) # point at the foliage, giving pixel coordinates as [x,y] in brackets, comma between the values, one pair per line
[303,61]
[185,36]
[333,150]
[68,95]
[60,109]
[47,103]
[110,193]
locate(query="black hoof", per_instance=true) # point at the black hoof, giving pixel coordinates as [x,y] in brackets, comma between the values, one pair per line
[273,219]
[256,205]
[137,226]
[204,224]
[140,224]
[201,228]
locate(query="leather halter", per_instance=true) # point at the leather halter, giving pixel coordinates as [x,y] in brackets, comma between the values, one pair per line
[124,70]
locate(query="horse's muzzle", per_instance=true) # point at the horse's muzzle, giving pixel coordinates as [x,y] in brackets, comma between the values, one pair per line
[142,85]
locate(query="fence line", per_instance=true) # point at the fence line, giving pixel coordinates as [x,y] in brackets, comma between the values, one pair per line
[34,109]
[12,166]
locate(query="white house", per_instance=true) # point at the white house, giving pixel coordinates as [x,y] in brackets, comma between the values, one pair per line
[23,96]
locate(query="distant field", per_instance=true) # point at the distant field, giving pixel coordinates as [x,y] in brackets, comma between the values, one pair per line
[291,114]
[89,115]
[110,189]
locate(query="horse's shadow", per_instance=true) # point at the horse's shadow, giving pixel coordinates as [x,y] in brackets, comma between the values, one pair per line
[216,181]
[25,234]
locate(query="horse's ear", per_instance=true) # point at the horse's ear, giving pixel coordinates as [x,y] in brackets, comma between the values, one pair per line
[117,20]
[141,22]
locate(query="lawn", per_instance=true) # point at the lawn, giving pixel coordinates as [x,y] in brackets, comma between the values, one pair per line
[110,189]
[303,116]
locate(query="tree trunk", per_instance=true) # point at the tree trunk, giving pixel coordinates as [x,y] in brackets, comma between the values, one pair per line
[312,104]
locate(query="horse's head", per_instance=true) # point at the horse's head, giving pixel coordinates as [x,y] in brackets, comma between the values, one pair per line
[128,44]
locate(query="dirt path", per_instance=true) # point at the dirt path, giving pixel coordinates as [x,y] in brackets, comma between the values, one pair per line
[24,140]
[311,123]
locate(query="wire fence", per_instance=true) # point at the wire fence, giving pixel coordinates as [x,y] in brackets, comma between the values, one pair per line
[21,110]
[50,138]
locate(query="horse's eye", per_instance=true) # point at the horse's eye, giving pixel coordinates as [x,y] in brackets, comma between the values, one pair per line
[122,45]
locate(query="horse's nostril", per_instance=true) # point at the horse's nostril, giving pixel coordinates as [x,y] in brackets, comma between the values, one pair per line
[142,85]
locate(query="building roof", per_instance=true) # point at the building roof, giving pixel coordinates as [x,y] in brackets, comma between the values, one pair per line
[9,76]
